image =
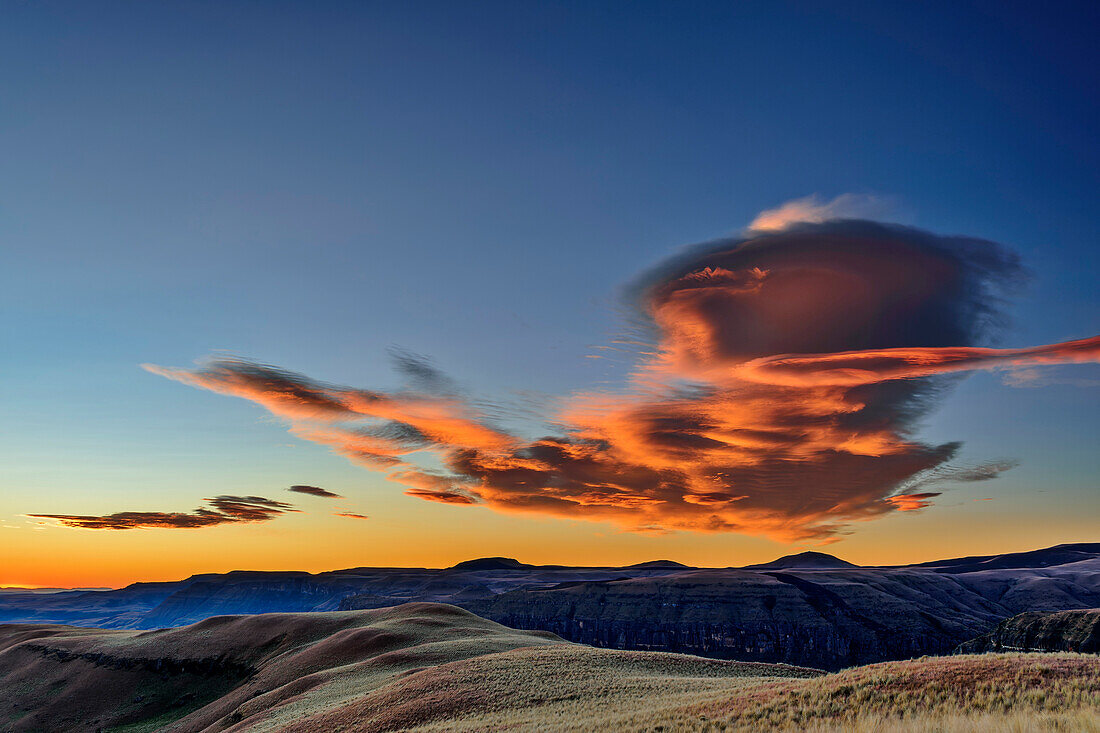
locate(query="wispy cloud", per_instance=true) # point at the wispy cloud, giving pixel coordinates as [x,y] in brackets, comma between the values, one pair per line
[223,510]
[815,210]
[445,497]
[913,502]
[779,394]
[1029,377]
[421,373]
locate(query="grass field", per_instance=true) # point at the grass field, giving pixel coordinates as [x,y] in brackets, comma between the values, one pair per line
[431,667]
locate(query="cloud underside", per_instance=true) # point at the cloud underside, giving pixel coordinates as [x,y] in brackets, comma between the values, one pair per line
[787,373]
[220,510]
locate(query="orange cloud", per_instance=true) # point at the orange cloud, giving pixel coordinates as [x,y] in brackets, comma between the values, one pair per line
[867,367]
[438,419]
[912,502]
[445,497]
[814,210]
[779,394]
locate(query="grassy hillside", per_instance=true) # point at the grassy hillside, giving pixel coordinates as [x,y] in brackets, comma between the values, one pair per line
[432,667]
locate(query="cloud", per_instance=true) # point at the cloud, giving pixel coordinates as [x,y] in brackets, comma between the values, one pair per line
[1029,377]
[814,210]
[421,372]
[350,515]
[777,392]
[314,491]
[912,502]
[445,497]
[411,418]
[868,367]
[225,510]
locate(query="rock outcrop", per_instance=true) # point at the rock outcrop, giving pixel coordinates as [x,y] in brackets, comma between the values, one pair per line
[1062,631]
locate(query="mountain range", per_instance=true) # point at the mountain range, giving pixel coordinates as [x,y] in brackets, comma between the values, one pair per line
[810,609]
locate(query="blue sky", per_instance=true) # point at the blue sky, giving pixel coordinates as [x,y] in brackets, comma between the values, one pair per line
[311,184]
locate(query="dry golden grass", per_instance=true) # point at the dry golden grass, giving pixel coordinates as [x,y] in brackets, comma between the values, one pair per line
[559,687]
[969,686]
[574,688]
[1004,692]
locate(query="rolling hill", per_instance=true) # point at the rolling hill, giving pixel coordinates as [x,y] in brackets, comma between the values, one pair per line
[433,667]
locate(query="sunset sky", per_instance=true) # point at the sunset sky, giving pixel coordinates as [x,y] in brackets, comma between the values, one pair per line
[313,286]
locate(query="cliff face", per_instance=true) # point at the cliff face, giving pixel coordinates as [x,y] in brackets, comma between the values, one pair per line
[1063,631]
[204,599]
[828,620]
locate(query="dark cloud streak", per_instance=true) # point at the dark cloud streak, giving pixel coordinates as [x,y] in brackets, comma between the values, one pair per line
[226,510]
[314,491]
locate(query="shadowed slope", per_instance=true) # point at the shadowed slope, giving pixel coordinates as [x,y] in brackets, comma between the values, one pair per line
[274,671]
[221,670]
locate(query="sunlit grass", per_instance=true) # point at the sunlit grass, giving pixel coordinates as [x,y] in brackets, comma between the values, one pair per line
[1004,692]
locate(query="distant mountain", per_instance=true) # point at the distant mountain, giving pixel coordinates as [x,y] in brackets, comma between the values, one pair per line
[490,563]
[656,564]
[17,589]
[1049,557]
[805,561]
[811,609]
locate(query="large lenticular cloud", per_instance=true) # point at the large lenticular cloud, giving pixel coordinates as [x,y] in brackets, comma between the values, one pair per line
[780,397]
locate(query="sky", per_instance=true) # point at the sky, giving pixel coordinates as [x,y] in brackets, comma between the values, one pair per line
[579,283]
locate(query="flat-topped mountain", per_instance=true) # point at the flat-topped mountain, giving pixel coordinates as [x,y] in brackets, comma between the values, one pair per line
[811,609]
[656,564]
[805,561]
[490,563]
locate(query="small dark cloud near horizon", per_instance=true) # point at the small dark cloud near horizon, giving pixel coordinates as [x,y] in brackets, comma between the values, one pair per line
[350,515]
[314,491]
[224,510]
